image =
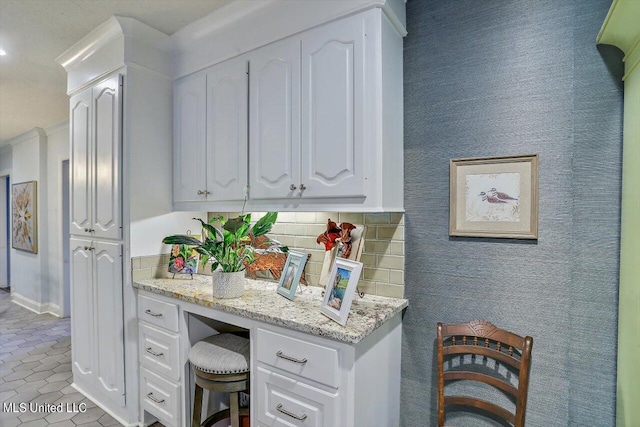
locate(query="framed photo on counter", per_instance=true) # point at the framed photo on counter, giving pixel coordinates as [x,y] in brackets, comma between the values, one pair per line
[291,273]
[340,290]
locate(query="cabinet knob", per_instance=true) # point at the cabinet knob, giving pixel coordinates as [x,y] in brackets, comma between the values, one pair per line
[303,187]
[292,187]
[89,248]
[200,192]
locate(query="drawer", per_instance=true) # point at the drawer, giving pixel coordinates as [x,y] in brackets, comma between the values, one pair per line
[159,313]
[160,398]
[303,358]
[283,401]
[159,351]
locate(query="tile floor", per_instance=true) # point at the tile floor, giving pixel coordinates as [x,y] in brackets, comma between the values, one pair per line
[35,366]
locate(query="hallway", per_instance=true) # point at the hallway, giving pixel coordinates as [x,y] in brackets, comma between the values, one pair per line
[35,366]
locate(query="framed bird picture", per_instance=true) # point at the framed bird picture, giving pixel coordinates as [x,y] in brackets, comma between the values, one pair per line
[494,197]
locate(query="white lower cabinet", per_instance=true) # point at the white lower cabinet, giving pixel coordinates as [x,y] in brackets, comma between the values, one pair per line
[160,397]
[97,326]
[297,379]
[159,353]
[286,401]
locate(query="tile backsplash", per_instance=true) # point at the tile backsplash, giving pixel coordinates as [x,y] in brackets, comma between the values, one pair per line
[383,255]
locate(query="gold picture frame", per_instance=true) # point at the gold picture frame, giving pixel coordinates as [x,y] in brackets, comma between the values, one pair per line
[494,197]
[24,216]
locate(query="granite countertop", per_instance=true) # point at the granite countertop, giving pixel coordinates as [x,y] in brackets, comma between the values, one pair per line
[261,302]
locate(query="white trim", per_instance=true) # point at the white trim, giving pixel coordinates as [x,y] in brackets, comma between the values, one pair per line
[58,127]
[36,307]
[25,136]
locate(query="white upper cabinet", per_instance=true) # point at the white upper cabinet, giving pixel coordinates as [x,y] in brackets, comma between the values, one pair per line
[96,200]
[226,159]
[107,188]
[80,124]
[275,121]
[189,138]
[333,85]
[324,117]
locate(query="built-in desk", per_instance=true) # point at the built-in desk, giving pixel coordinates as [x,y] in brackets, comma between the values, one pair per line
[306,370]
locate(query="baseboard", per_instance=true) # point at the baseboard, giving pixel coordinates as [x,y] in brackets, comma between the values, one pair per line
[36,307]
[103,407]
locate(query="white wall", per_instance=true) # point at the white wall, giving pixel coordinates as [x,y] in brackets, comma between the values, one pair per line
[5,169]
[57,152]
[29,163]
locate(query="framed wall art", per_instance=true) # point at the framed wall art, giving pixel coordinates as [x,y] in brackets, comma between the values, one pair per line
[494,197]
[339,293]
[24,216]
[291,273]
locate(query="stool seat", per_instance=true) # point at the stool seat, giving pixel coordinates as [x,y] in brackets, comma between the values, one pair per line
[221,354]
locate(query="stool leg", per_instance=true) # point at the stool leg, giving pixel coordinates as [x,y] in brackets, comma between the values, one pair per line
[235,409]
[197,407]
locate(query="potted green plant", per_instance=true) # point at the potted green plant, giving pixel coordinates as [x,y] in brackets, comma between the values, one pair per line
[230,248]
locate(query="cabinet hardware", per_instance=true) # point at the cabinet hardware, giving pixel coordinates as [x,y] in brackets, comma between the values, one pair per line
[279,408]
[200,192]
[86,230]
[153,353]
[151,313]
[150,396]
[302,187]
[291,359]
[292,187]
[89,248]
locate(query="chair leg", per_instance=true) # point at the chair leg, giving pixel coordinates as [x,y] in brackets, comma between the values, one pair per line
[235,409]
[197,407]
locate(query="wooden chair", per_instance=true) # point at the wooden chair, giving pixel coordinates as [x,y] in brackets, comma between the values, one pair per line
[484,339]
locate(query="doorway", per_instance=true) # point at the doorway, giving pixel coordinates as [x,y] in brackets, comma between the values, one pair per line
[5,233]
[65,304]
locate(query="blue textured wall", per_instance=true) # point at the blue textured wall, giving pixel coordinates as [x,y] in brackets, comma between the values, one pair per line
[507,77]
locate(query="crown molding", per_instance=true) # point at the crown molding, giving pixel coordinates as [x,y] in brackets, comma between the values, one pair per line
[621,29]
[244,25]
[30,134]
[58,127]
[106,33]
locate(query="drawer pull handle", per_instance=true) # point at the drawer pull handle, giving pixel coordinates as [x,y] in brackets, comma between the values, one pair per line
[150,351]
[302,417]
[150,396]
[291,359]
[151,313]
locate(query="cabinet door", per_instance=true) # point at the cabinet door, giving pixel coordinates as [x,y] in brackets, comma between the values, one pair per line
[274,151]
[333,83]
[109,328]
[189,139]
[107,155]
[80,133]
[82,303]
[227,131]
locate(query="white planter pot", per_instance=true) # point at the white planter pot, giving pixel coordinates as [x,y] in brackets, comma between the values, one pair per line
[228,285]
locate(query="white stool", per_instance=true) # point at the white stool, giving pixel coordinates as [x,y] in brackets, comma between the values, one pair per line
[220,363]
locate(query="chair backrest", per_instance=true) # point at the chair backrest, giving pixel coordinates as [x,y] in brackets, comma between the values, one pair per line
[482,338]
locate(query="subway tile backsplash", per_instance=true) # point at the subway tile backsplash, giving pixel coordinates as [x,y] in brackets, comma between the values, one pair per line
[383,255]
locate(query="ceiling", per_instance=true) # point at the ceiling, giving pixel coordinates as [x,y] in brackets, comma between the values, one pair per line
[34,32]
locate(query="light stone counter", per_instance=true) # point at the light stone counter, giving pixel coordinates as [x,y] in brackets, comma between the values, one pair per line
[261,302]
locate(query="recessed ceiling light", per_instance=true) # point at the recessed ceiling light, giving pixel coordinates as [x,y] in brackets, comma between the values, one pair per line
[2,52]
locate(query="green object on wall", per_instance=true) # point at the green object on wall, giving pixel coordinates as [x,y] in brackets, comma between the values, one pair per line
[621,29]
